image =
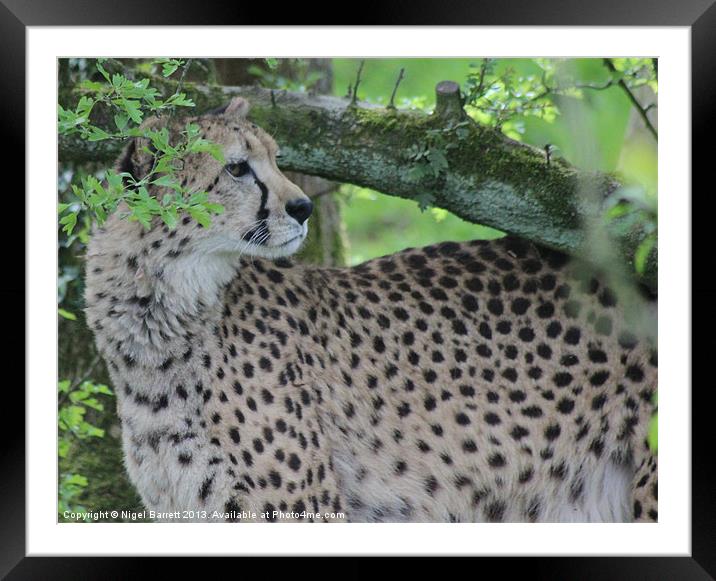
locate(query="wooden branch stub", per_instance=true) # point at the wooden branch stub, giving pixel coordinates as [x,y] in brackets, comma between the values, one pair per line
[448,101]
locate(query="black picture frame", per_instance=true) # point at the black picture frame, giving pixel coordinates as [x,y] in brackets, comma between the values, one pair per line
[699,15]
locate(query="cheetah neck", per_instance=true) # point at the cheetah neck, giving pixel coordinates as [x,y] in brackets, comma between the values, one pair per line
[151,305]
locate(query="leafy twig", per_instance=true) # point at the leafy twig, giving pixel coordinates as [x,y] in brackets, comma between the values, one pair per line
[641,110]
[129,101]
[185,68]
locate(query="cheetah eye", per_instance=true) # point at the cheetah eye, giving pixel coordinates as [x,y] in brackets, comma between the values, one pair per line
[238,169]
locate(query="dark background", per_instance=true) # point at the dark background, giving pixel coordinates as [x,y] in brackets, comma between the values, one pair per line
[700,15]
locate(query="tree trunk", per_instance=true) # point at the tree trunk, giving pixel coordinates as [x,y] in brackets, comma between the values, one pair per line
[327,242]
[444,159]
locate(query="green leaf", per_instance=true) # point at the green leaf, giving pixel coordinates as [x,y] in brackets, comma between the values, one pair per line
[118,81]
[91,387]
[167,181]
[191,131]
[121,120]
[198,198]
[417,173]
[180,100]
[94,431]
[94,404]
[78,395]
[97,134]
[618,210]
[424,200]
[69,221]
[653,433]
[439,214]
[71,417]
[114,180]
[133,108]
[200,215]
[169,216]
[90,86]
[642,254]
[76,479]
[67,314]
[170,67]
[69,122]
[141,215]
[102,70]
[160,140]
[438,161]
[214,208]
[63,447]
[84,106]
[204,146]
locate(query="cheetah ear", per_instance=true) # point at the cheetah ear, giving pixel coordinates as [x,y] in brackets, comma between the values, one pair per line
[238,107]
[138,156]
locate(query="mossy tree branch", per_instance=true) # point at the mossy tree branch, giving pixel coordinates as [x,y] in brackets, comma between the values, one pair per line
[488,179]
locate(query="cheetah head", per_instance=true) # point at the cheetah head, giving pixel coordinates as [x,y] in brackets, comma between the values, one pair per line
[265,214]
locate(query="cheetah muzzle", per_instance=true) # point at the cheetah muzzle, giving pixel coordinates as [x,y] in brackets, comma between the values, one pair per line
[480,381]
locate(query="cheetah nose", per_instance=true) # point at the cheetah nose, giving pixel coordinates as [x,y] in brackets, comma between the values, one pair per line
[299,209]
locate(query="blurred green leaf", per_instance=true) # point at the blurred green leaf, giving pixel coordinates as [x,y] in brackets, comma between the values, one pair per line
[67,314]
[642,254]
[653,434]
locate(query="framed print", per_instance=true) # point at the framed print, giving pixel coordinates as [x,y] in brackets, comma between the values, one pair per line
[406,286]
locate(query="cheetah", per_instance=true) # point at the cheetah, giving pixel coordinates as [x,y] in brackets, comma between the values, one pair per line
[462,382]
